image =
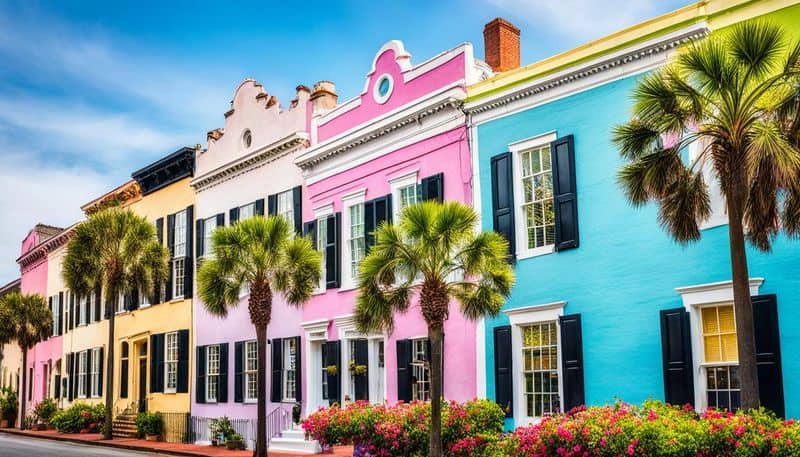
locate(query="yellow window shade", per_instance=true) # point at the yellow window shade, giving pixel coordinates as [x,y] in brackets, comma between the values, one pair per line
[719,334]
[727,323]
[710,323]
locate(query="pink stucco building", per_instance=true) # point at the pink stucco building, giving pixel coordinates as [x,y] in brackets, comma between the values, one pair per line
[44,359]
[402,140]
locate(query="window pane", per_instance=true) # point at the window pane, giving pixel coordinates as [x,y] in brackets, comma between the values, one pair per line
[540,355]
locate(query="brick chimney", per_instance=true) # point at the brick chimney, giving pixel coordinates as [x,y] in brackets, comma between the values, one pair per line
[501,45]
[324,97]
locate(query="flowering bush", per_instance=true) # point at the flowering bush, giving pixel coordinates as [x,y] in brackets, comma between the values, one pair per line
[402,429]
[79,418]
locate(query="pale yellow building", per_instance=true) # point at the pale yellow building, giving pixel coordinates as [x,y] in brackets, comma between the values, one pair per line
[10,354]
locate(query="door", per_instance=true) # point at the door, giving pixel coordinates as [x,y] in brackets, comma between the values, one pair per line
[142,381]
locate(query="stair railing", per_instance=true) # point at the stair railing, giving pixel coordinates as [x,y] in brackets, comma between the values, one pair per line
[278,420]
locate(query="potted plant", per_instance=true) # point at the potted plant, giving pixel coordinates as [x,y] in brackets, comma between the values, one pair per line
[356,369]
[235,442]
[149,425]
[43,412]
[332,370]
[8,407]
[221,430]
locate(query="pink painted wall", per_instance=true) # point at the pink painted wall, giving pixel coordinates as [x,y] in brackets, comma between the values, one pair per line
[34,280]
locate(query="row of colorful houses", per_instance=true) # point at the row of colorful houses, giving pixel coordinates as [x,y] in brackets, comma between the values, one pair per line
[605,304]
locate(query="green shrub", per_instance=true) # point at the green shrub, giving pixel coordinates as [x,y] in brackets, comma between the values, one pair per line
[45,410]
[149,424]
[221,427]
[79,418]
[8,404]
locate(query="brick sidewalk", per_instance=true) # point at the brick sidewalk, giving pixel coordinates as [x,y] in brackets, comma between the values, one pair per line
[156,446]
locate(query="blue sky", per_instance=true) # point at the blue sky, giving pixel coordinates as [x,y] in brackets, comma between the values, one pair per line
[92,90]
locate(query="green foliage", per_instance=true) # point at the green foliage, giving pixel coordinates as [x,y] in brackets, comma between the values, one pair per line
[9,403]
[221,427]
[26,317]
[148,423]
[79,418]
[45,410]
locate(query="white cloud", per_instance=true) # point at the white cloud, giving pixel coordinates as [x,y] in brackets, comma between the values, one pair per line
[581,20]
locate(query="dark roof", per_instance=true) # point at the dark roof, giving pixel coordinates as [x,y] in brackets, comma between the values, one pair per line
[166,171]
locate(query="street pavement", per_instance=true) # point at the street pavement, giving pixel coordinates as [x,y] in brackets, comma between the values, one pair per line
[22,446]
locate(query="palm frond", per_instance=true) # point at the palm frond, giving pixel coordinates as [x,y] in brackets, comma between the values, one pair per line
[635,139]
[684,207]
[756,46]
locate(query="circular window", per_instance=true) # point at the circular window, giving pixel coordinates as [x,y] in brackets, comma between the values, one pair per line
[383,88]
[247,138]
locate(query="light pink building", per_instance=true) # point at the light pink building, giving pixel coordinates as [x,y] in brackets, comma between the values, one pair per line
[44,358]
[402,140]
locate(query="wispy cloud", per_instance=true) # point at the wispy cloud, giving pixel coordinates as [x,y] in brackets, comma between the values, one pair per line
[581,20]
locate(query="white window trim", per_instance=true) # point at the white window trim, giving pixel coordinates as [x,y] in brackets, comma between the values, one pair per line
[56,315]
[719,213]
[251,204]
[516,148]
[518,318]
[397,183]
[694,298]
[92,373]
[208,375]
[346,328]
[171,390]
[316,333]
[286,342]
[83,356]
[354,198]
[247,398]
[321,214]
[207,253]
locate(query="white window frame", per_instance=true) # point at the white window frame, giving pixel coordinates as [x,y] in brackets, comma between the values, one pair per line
[520,228]
[82,304]
[284,206]
[352,199]
[315,335]
[250,373]
[179,254]
[210,362]
[120,304]
[289,360]
[144,300]
[251,207]
[419,345]
[94,374]
[399,183]
[321,216]
[694,298]
[83,363]
[170,363]
[56,314]
[519,318]
[91,304]
[68,296]
[209,225]
[346,328]
[719,213]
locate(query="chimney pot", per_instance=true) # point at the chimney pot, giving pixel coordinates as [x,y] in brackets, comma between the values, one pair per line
[324,97]
[501,45]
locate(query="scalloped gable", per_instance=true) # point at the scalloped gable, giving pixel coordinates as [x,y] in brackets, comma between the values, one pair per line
[410,82]
[253,109]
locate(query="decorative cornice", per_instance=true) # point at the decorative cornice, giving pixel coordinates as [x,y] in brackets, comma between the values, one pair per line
[581,72]
[326,151]
[249,162]
[41,250]
[121,195]
[165,171]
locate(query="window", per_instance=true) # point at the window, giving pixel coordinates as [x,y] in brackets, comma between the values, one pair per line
[212,373]
[285,203]
[351,347]
[82,367]
[383,89]
[68,302]
[324,374]
[144,300]
[289,372]
[251,371]
[721,356]
[247,138]
[56,315]
[540,369]
[420,370]
[209,225]
[82,311]
[355,235]
[322,241]
[537,197]
[409,195]
[93,310]
[247,211]
[178,259]
[95,373]
[120,303]
[171,362]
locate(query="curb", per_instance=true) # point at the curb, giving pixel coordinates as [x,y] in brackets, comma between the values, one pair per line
[129,447]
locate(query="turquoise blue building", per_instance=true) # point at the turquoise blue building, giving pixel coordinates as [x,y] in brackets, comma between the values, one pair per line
[606,306]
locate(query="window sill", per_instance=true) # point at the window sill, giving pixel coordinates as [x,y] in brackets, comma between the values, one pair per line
[289,400]
[718,364]
[528,253]
[177,299]
[170,392]
[347,287]
[251,401]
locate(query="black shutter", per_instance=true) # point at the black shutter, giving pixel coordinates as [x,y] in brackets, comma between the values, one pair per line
[57,386]
[276,390]
[572,360]
[156,299]
[108,308]
[123,378]
[221,220]
[188,264]
[171,247]
[200,386]
[333,356]
[52,313]
[160,230]
[233,215]
[183,362]
[157,363]
[88,378]
[222,385]
[433,187]
[375,212]
[310,230]
[101,364]
[272,204]
[297,209]
[298,371]
[565,197]
[503,199]
[404,370]
[238,376]
[503,381]
[70,376]
[333,261]
[71,305]
[259,207]
[676,356]
[60,323]
[199,237]
[361,382]
[768,353]
[98,304]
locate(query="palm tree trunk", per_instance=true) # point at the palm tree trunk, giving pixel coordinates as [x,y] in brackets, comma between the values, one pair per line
[261,433]
[742,305]
[107,428]
[435,333]
[24,397]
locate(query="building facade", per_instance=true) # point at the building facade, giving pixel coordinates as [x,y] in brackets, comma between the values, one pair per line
[606,305]
[402,140]
[10,354]
[246,170]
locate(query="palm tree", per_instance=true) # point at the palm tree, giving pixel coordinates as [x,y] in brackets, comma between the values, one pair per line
[115,251]
[434,253]
[721,93]
[264,255]
[29,321]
